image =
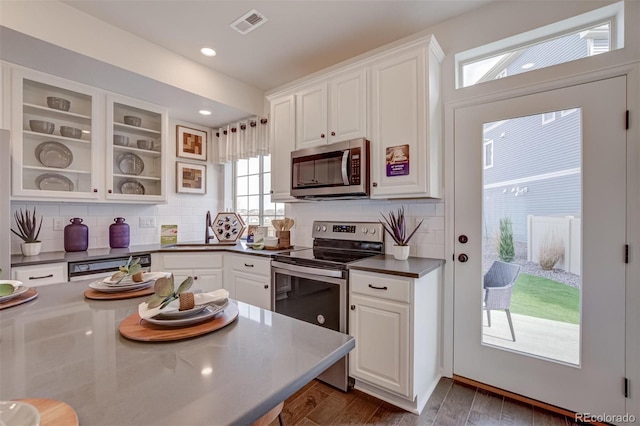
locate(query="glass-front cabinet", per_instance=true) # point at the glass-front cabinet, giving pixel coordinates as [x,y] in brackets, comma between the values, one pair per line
[136,133]
[55,138]
[74,142]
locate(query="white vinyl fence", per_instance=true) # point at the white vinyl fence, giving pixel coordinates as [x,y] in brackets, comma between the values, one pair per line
[550,230]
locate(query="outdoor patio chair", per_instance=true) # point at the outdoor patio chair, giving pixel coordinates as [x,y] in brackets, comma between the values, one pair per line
[498,284]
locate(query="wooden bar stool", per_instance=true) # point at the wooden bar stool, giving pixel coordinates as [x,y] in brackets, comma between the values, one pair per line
[271,416]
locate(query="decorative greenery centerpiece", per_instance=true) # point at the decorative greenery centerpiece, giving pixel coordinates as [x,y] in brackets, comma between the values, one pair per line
[164,293]
[28,231]
[396,226]
[132,268]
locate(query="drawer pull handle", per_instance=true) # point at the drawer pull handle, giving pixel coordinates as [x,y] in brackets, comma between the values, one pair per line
[378,288]
[248,265]
[39,278]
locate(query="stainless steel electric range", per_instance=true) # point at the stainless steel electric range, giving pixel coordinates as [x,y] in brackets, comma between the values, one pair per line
[312,285]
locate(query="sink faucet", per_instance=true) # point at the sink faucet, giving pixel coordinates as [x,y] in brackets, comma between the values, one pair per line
[208,237]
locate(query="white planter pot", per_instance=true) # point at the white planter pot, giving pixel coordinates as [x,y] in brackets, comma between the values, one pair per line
[400,252]
[31,249]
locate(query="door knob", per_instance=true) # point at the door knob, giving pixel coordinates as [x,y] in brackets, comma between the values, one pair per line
[463,239]
[333,133]
[463,257]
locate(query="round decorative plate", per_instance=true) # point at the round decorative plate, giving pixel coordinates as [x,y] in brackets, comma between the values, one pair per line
[130,164]
[217,306]
[102,287]
[18,289]
[54,154]
[54,182]
[131,186]
[205,314]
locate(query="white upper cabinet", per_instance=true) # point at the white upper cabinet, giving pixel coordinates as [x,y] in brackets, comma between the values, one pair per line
[405,119]
[282,137]
[71,142]
[56,138]
[136,134]
[333,110]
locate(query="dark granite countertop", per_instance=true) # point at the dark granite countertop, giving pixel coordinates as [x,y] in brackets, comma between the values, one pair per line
[413,267]
[106,253]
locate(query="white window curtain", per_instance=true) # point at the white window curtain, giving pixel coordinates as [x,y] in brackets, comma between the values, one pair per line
[244,139]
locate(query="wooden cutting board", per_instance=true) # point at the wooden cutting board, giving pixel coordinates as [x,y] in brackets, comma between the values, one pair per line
[99,295]
[134,328]
[53,412]
[28,295]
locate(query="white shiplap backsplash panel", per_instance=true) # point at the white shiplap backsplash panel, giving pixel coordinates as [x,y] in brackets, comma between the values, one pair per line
[427,242]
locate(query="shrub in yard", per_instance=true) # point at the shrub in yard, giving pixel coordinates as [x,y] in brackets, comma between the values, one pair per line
[550,252]
[506,251]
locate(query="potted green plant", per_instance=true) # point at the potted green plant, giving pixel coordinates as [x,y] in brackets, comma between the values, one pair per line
[28,230]
[396,226]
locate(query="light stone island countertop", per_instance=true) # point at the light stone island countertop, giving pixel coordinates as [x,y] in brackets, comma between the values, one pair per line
[413,267]
[68,348]
[106,253]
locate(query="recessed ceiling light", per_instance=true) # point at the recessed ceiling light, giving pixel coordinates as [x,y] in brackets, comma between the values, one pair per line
[207,51]
[527,65]
[205,112]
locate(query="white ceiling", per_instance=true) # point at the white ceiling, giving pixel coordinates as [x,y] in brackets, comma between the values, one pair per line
[300,37]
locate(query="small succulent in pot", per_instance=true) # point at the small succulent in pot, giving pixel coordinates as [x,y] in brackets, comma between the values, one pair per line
[396,226]
[28,226]
[164,292]
[132,267]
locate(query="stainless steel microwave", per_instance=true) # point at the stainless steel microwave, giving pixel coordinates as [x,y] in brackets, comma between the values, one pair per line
[338,170]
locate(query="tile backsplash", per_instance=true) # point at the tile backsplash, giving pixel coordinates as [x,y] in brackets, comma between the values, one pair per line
[427,242]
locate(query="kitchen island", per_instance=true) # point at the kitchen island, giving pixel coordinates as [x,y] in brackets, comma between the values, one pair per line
[65,347]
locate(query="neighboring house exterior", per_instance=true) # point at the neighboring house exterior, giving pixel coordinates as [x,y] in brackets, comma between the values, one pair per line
[532,165]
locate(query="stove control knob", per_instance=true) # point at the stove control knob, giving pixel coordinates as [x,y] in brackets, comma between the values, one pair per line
[365,230]
[324,228]
[317,227]
[373,231]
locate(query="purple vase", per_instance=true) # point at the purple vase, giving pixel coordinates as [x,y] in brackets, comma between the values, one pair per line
[76,235]
[119,233]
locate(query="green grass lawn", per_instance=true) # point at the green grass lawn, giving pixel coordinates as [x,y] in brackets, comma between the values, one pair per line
[544,298]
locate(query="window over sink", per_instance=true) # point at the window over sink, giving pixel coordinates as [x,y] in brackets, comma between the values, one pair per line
[252,192]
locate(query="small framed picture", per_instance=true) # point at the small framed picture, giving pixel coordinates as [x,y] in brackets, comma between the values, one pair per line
[191,143]
[191,178]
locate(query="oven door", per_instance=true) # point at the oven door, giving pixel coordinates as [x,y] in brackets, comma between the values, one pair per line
[316,296]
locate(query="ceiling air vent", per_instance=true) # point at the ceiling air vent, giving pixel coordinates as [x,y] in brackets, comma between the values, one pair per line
[248,22]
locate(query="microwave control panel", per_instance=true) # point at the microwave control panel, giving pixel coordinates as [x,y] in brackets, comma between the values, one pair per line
[355,166]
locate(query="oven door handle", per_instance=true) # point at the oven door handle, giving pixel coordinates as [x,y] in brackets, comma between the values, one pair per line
[345,170]
[308,270]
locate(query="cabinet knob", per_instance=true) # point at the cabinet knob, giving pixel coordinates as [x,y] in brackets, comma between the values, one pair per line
[266,286]
[195,278]
[271,191]
[110,191]
[374,184]
[333,133]
[95,189]
[353,307]
[322,135]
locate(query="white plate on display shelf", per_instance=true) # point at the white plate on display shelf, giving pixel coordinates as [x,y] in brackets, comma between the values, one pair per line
[54,182]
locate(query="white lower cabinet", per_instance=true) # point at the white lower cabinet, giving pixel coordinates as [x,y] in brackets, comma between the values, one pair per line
[205,268]
[396,323]
[39,275]
[248,279]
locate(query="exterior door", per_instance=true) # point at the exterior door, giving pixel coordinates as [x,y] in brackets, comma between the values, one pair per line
[540,185]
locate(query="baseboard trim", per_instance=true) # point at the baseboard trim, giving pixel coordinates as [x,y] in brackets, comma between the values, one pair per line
[538,404]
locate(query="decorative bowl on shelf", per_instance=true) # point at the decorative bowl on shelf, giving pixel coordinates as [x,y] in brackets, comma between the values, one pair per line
[132,120]
[145,144]
[70,132]
[41,126]
[121,140]
[58,103]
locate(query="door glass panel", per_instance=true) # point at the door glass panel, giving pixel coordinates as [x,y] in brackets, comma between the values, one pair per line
[532,210]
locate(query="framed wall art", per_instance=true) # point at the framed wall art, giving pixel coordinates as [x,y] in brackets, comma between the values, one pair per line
[191,143]
[191,178]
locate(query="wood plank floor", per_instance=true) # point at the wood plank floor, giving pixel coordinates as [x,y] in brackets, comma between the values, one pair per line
[452,403]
